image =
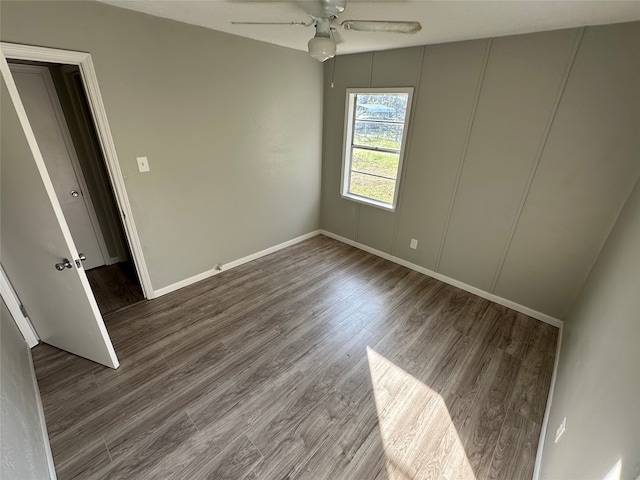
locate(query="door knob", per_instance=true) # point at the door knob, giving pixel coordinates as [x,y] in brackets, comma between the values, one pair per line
[81,258]
[74,193]
[64,264]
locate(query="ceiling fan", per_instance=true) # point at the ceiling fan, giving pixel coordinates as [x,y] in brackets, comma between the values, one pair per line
[324,16]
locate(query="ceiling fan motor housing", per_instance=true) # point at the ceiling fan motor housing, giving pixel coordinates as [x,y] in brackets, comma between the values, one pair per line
[323,9]
[323,12]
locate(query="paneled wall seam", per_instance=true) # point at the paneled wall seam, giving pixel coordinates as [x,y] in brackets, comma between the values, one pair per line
[464,152]
[539,152]
[369,84]
[358,222]
[407,148]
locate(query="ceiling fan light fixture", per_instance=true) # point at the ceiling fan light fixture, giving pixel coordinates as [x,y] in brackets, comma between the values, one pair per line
[322,48]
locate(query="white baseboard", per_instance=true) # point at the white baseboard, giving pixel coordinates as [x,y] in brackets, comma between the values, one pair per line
[543,317]
[545,422]
[232,264]
[43,424]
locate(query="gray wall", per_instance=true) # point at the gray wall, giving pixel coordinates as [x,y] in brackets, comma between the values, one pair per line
[231,126]
[598,385]
[22,447]
[520,155]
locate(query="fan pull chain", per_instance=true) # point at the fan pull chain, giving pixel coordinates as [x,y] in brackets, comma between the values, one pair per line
[333,73]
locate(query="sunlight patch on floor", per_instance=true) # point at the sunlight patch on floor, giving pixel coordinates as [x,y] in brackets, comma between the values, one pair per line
[418,435]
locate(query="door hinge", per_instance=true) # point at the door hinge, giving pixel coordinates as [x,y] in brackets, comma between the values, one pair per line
[24,311]
[124,215]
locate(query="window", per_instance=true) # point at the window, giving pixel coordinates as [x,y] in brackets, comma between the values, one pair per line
[375,135]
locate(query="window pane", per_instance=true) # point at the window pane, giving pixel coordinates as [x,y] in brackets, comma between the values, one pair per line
[381,106]
[372,187]
[374,135]
[378,134]
[383,164]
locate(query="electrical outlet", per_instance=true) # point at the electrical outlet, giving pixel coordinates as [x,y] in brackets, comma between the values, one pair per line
[561,429]
[414,243]
[143,164]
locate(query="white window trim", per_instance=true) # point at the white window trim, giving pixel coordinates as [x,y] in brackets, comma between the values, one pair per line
[348,140]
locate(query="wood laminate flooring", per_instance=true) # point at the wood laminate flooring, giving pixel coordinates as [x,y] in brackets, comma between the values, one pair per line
[115,286]
[319,361]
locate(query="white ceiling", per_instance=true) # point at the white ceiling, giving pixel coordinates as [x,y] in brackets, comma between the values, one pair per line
[442,21]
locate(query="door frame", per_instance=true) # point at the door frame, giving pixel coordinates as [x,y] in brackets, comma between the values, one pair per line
[94,98]
[15,307]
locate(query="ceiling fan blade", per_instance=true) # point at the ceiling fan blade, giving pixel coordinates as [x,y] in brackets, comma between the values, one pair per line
[381,26]
[301,24]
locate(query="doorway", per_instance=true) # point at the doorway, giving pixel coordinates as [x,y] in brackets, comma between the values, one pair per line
[57,106]
[55,101]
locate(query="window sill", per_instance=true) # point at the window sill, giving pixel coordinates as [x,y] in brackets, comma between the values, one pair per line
[370,202]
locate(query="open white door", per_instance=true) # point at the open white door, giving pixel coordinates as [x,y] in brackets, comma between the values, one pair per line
[35,237]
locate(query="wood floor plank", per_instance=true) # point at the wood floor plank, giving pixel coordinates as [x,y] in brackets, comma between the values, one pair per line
[134,453]
[282,459]
[517,332]
[112,385]
[317,388]
[310,347]
[88,460]
[468,319]
[543,343]
[158,392]
[55,367]
[531,388]
[473,370]
[235,462]
[212,439]
[416,416]
[308,437]
[314,465]
[515,452]
[440,442]
[319,361]
[115,286]
[483,424]
[59,399]
[369,460]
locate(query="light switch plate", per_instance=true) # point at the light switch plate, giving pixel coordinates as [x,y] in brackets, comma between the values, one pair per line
[143,164]
[414,243]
